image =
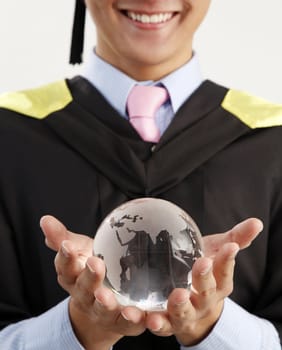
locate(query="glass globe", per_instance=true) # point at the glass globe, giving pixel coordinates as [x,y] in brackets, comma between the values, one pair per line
[149,246]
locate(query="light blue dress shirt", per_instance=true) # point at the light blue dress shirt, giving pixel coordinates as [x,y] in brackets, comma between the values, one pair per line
[236,329]
[180,85]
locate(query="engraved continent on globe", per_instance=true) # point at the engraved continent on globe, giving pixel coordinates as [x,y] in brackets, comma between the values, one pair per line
[149,246]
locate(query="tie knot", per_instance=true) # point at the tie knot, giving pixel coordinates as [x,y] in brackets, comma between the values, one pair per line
[142,105]
[144,101]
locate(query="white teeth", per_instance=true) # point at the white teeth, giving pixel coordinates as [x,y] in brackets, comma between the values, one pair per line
[145,18]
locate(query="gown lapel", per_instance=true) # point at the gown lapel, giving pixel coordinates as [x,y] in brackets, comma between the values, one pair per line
[200,129]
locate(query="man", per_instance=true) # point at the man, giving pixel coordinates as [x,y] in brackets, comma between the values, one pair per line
[69,150]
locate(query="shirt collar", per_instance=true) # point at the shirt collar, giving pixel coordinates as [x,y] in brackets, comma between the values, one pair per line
[115,86]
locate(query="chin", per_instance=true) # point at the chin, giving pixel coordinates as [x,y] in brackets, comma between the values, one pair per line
[150,55]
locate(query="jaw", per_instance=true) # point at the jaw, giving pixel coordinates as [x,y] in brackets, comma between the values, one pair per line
[145,44]
[149,63]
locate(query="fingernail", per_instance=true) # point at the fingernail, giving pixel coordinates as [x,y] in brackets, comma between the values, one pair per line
[98,301]
[234,253]
[65,250]
[206,270]
[157,329]
[41,221]
[124,316]
[181,302]
[90,268]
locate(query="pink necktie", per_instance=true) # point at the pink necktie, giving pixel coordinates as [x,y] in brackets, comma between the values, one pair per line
[142,105]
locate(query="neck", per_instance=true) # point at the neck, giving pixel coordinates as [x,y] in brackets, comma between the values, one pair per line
[141,71]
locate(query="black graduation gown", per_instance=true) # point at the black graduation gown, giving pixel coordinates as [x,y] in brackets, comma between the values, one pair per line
[80,162]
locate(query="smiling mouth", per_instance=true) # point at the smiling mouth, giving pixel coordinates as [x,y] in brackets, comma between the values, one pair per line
[145,18]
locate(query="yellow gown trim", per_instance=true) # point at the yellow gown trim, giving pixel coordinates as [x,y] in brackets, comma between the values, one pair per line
[253,111]
[40,102]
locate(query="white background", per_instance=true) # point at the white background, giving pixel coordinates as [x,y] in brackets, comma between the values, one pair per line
[239,44]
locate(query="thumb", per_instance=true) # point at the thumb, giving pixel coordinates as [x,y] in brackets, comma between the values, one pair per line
[245,232]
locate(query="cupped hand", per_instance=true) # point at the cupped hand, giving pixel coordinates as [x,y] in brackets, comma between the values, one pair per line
[191,315]
[97,319]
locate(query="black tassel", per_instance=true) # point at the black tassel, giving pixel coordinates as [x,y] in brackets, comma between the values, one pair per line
[77,41]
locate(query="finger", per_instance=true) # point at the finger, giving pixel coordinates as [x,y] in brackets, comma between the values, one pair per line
[106,307]
[223,269]
[55,232]
[180,308]
[159,324]
[133,314]
[203,293]
[131,321]
[88,281]
[128,320]
[179,312]
[69,264]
